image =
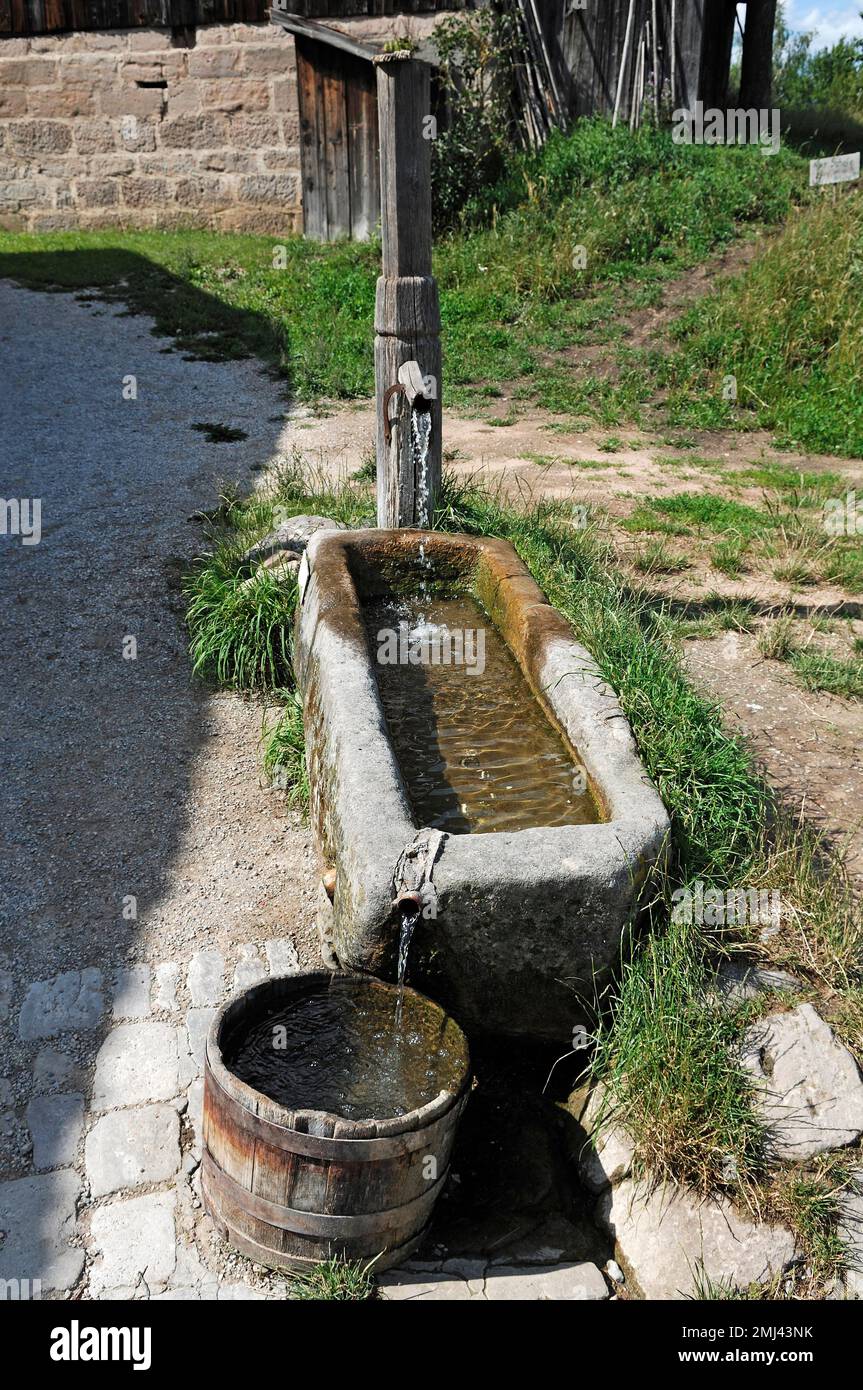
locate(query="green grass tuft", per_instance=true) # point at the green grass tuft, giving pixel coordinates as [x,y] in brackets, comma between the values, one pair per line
[335,1281]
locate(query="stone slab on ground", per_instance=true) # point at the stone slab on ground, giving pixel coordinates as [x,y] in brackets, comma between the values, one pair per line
[290,537]
[555,1241]
[167,980]
[38,1217]
[250,969]
[132,992]
[136,1063]
[606,1156]
[738,981]
[570,1283]
[463,1280]
[68,1003]
[56,1124]
[197,1027]
[282,956]
[133,1240]
[206,977]
[850,1229]
[809,1091]
[132,1148]
[52,1068]
[398,1286]
[667,1240]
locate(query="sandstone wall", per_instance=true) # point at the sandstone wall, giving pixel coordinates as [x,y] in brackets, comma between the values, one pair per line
[151,127]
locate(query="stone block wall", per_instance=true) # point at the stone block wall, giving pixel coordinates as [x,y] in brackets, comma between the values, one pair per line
[151,127]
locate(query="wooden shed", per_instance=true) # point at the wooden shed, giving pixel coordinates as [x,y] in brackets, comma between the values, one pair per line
[337,98]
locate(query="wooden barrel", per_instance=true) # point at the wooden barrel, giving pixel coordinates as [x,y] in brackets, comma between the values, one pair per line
[290,1188]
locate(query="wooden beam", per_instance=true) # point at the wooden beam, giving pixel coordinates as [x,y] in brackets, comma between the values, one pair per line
[407,313]
[756,77]
[309,29]
[716,48]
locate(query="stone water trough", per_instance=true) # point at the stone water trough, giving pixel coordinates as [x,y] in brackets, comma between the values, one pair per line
[515,868]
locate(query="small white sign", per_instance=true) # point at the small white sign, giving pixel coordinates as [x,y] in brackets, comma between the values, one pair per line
[842,168]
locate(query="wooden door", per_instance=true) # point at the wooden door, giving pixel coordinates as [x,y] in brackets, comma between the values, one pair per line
[338,142]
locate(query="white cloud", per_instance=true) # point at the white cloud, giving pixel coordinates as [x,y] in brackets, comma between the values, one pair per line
[828,23]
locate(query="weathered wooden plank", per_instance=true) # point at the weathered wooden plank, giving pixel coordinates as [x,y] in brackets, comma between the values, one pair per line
[407,318]
[335,145]
[311,136]
[308,29]
[403,107]
[364,162]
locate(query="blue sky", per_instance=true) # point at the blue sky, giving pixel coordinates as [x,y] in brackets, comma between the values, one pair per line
[829,22]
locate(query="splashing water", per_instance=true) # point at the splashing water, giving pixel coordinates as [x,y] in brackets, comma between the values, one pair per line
[421,428]
[409,922]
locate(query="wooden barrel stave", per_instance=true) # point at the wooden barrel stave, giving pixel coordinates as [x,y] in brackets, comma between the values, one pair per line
[359,1189]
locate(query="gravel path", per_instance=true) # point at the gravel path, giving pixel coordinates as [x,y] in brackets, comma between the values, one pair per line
[140,840]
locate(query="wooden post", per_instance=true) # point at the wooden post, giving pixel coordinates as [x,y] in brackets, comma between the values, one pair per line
[756,76]
[407,313]
[716,47]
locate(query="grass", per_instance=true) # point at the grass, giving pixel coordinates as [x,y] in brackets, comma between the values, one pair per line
[240,629]
[511,298]
[776,638]
[241,623]
[701,511]
[728,556]
[668,1061]
[816,670]
[656,558]
[786,534]
[791,331]
[285,752]
[335,1281]
[819,671]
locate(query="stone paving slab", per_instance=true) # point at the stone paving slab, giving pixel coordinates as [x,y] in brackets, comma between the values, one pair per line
[67,1003]
[206,977]
[808,1087]
[38,1217]
[465,1280]
[167,980]
[132,1148]
[56,1124]
[669,1243]
[198,1026]
[137,1062]
[851,1233]
[132,992]
[51,1069]
[282,956]
[133,1241]
[568,1283]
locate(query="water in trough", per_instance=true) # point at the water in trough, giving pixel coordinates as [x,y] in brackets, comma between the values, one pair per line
[476,749]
